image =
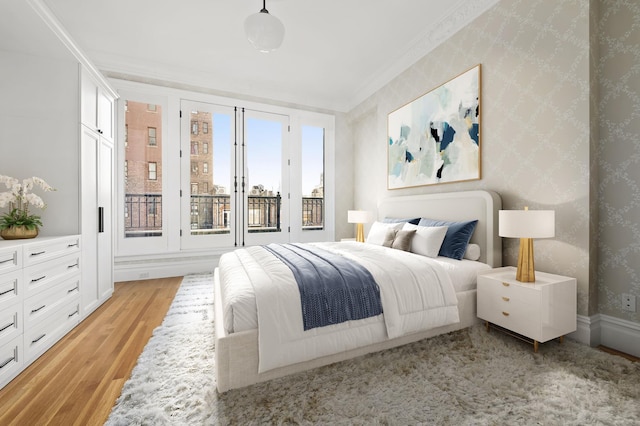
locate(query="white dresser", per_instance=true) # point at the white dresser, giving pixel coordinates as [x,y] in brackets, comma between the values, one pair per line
[39,298]
[541,310]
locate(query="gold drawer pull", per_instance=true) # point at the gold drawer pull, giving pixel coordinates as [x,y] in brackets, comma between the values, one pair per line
[506,314]
[506,299]
[505,284]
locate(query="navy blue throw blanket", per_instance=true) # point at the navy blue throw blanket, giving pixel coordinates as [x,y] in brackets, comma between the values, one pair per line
[333,289]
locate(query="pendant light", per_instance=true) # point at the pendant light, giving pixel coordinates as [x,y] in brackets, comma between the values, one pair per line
[264,31]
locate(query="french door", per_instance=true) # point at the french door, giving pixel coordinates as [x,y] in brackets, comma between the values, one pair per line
[235,176]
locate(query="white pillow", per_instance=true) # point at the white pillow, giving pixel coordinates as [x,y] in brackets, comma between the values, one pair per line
[379,230]
[472,252]
[427,240]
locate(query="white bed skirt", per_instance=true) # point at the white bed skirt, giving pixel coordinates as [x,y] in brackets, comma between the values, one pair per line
[236,354]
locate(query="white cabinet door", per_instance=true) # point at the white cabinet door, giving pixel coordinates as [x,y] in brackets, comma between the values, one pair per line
[97,220]
[105,219]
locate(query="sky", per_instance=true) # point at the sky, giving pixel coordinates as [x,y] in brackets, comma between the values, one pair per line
[264,153]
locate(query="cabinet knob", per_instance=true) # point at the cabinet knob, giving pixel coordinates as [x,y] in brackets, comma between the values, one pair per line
[505,284]
[506,299]
[506,314]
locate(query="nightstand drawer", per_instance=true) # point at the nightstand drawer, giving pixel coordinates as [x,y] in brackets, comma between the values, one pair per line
[514,308]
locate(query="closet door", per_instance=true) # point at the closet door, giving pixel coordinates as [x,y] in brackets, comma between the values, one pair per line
[97,222]
[105,164]
[90,142]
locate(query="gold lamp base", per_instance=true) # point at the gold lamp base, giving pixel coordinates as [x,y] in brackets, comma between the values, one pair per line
[526,272]
[360,232]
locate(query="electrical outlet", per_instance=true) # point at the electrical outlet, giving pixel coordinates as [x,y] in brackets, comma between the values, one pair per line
[628,303]
[146,275]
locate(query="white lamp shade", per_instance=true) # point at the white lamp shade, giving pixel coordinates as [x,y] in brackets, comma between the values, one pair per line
[264,31]
[527,223]
[358,216]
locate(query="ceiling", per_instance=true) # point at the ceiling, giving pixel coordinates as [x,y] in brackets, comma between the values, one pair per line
[335,54]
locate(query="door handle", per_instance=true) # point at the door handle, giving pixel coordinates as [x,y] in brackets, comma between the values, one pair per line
[100,219]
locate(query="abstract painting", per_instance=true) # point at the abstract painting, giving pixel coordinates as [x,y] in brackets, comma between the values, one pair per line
[436,138]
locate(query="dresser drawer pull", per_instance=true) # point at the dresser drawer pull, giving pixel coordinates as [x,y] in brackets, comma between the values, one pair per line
[35,280]
[33,311]
[506,299]
[73,313]
[38,253]
[38,339]
[72,245]
[5,261]
[506,314]
[75,265]
[73,289]
[505,284]
[7,291]
[7,326]
[4,364]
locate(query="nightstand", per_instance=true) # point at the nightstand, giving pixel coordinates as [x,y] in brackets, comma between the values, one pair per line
[539,311]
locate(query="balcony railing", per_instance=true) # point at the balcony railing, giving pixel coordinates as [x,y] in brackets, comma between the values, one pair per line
[211,214]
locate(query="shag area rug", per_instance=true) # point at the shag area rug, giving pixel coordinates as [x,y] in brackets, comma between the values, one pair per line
[468,377]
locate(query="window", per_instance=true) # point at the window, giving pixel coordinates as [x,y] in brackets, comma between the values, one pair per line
[312,177]
[141,171]
[194,127]
[205,147]
[194,191]
[153,170]
[205,127]
[152,136]
[194,148]
[205,188]
[205,168]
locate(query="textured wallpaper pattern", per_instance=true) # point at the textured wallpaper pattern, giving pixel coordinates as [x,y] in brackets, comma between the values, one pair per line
[618,153]
[535,134]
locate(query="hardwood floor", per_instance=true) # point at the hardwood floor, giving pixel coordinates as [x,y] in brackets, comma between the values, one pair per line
[78,380]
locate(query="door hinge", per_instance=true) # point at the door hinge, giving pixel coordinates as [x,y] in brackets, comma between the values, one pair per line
[289,162]
[289,229]
[289,128]
[181,232]
[181,193]
[288,195]
[180,113]
[180,153]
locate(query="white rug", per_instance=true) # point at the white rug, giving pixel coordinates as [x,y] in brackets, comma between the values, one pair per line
[469,377]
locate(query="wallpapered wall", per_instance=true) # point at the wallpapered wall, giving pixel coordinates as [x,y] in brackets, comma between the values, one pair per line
[618,153]
[535,113]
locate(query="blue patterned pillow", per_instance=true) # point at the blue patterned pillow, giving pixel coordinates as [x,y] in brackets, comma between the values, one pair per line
[457,236]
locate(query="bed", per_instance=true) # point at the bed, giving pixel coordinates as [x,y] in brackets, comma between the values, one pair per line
[237,355]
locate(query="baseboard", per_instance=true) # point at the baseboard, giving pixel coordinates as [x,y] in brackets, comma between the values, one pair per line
[141,269]
[619,334]
[588,330]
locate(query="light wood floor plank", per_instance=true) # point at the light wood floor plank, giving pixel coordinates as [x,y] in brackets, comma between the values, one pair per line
[78,380]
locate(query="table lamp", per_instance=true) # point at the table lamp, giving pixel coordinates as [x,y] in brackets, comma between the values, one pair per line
[526,224]
[359,217]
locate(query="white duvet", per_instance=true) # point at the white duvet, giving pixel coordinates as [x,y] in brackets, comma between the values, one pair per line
[416,294]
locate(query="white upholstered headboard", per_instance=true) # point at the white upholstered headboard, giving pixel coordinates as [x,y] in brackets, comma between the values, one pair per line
[455,206]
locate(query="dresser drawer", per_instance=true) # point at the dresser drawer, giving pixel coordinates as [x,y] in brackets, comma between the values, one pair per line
[11,324]
[10,259]
[43,303]
[47,249]
[41,276]
[11,289]
[43,335]
[11,360]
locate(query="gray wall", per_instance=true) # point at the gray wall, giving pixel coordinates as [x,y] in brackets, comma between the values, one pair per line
[535,130]
[618,154]
[39,132]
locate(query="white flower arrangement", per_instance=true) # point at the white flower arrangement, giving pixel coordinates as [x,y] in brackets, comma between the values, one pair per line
[19,197]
